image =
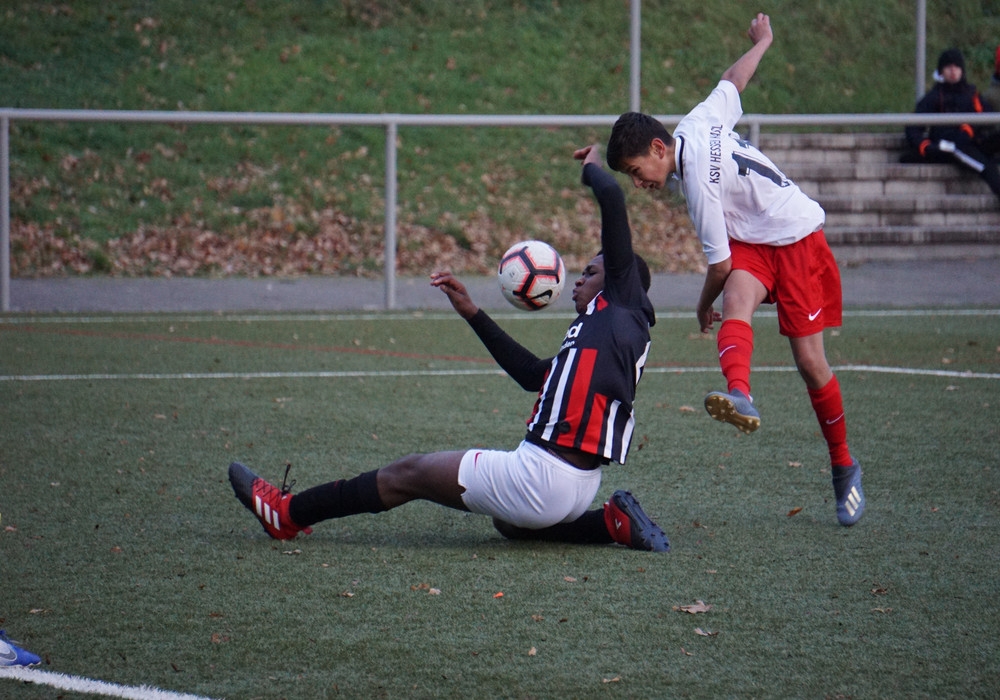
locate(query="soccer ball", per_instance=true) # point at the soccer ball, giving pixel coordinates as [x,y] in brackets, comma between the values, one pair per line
[531,275]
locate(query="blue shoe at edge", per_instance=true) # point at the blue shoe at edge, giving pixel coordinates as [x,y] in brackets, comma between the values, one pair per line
[12,655]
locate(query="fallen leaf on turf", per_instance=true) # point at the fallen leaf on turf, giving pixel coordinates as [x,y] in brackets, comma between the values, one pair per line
[346,594]
[795,464]
[702,633]
[537,618]
[616,679]
[885,611]
[569,579]
[498,594]
[686,409]
[532,651]
[686,652]
[699,606]
[795,511]
[434,591]
[292,552]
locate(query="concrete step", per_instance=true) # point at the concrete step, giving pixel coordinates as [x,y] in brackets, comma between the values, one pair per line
[807,172]
[840,235]
[929,220]
[833,141]
[829,149]
[985,205]
[936,189]
[877,206]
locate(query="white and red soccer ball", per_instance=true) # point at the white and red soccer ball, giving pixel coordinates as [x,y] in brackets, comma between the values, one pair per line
[531,275]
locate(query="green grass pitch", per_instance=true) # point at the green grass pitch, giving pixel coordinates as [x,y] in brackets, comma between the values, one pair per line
[124,556]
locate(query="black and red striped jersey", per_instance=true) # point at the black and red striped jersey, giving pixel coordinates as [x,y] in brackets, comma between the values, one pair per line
[586,400]
[586,392]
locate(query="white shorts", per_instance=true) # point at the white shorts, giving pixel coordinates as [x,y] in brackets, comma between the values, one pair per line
[529,487]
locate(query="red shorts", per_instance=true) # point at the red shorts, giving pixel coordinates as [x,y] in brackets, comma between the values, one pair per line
[801,278]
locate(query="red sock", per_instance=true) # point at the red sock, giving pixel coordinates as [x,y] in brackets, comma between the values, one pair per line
[735,343]
[829,407]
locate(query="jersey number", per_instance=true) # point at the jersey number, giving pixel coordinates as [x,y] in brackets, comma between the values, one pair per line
[746,165]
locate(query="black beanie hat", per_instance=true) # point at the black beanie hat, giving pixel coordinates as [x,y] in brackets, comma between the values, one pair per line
[951,57]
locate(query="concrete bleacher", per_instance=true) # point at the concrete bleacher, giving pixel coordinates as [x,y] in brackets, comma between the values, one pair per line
[878,207]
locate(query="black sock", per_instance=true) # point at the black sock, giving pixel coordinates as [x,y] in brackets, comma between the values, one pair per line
[336,499]
[589,528]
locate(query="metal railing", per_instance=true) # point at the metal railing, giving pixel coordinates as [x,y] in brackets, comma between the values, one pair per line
[391,123]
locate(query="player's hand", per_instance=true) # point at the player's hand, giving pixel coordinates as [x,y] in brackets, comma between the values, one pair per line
[589,154]
[458,295]
[707,317]
[760,28]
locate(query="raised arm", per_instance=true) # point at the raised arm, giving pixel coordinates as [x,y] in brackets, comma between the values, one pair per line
[739,73]
[616,236]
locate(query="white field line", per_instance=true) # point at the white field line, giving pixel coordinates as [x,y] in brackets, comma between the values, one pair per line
[76,684]
[209,317]
[207,376]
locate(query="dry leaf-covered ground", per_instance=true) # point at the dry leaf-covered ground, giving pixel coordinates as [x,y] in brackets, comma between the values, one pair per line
[286,241]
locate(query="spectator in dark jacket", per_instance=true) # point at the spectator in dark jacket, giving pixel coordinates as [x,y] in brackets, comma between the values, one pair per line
[991,103]
[952,143]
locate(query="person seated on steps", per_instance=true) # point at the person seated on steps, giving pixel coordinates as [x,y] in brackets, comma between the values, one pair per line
[962,144]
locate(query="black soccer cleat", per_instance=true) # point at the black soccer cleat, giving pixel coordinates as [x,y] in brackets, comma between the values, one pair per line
[630,526]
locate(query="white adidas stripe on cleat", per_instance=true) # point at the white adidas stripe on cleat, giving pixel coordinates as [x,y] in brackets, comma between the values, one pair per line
[265,512]
[853,501]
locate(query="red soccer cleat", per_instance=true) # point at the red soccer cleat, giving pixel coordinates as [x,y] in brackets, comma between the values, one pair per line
[266,501]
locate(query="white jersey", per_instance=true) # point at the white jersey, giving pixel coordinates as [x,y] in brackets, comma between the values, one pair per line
[732,189]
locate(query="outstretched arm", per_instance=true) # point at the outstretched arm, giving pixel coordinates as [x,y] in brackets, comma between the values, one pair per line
[739,73]
[521,364]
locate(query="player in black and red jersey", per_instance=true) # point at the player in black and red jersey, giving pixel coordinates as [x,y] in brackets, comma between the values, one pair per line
[582,419]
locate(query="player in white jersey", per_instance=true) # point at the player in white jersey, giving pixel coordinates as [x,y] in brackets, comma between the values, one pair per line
[764,243]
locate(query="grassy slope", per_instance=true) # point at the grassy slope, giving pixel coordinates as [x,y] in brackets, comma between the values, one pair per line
[463,194]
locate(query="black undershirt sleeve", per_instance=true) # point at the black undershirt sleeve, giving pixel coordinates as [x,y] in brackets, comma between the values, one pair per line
[521,364]
[621,274]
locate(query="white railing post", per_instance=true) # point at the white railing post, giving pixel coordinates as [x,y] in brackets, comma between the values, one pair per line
[4,213]
[391,132]
[635,69]
[921,53]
